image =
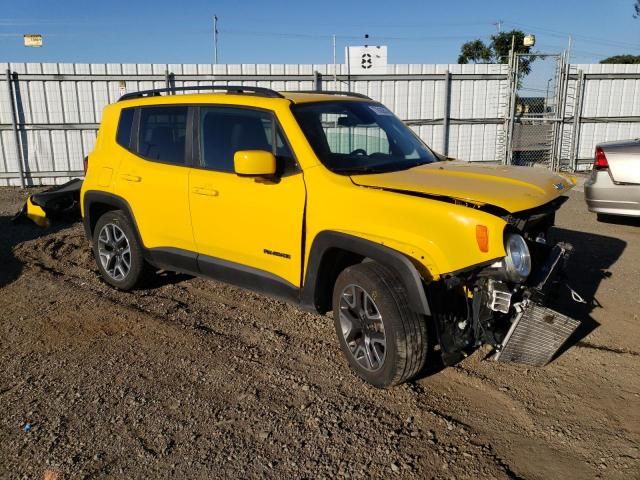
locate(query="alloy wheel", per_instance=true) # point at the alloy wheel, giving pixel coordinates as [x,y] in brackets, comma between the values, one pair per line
[362,327]
[114,251]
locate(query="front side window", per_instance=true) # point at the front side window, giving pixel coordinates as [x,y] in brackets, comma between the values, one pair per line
[226,130]
[360,137]
[162,134]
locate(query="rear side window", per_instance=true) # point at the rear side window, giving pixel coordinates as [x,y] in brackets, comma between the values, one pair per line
[162,134]
[125,124]
[226,130]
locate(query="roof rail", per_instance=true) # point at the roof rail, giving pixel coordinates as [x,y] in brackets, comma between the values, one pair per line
[333,92]
[239,89]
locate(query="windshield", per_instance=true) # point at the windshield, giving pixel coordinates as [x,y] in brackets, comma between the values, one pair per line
[360,137]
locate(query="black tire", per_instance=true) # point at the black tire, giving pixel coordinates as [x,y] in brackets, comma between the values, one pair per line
[405,332]
[116,220]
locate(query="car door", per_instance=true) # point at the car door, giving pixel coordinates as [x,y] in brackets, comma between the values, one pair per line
[253,225]
[154,177]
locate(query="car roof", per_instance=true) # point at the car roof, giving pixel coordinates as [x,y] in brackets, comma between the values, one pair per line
[294,97]
[305,97]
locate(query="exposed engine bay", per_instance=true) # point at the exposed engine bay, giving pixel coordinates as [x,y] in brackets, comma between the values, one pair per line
[506,303]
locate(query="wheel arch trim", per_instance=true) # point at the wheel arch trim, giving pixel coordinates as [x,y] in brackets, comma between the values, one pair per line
[328,239]
[92,197]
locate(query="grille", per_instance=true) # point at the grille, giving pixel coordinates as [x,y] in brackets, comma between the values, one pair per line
[536,335]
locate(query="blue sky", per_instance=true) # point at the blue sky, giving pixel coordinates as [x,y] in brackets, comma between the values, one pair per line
[252,31]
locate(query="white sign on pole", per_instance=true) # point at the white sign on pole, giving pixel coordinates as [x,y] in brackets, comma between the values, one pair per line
[367,59]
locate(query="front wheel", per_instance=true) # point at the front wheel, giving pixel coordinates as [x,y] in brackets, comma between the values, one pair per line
[385,342]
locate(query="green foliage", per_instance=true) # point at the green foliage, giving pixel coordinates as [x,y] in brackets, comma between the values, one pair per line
[636,7]
[475,51]
[501,45]
[497,51]
[622,59]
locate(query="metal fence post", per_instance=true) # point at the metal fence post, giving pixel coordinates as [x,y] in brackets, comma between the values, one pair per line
[556,100]
[513,96]
[446,113]
[317,81]
[562,104]
[169,82]
[575,140]
[14,122]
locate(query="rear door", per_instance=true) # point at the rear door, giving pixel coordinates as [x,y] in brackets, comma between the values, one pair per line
[241,222]
[154,176]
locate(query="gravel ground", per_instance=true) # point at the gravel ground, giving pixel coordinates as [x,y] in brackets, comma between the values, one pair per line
[192,378]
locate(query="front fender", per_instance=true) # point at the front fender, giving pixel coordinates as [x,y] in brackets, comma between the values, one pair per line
[438,235]
[327,240]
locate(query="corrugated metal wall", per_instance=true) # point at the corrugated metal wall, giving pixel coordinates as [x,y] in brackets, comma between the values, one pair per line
[59,105]
[610,107]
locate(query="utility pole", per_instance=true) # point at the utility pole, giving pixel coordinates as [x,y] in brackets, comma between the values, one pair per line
[498,26]
[215,39]
[335,74]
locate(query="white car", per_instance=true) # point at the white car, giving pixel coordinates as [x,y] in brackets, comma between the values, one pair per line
[613,188]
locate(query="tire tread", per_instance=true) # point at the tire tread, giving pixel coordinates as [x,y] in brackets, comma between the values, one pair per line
[412,345]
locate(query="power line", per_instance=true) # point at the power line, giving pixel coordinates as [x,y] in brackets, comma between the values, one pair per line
[560,34]
[579,50]
[348,37]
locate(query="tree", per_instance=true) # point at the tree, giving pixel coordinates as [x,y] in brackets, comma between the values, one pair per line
[475,51]
[498,50]
[622,59]
[636,7]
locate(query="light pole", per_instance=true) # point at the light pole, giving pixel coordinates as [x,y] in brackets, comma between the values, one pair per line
[546,97]
[215,39]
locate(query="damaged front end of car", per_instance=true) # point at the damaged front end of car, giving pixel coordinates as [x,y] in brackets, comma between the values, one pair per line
[506,303]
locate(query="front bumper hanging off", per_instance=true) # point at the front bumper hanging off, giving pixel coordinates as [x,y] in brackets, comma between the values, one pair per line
[59,201]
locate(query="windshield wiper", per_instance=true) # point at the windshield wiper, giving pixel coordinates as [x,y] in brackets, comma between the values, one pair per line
[357,169]
[378,168]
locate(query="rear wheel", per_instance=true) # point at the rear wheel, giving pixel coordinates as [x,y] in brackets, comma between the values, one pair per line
[117,251]
[385,342]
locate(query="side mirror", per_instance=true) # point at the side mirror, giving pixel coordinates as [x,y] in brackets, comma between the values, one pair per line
[254,163]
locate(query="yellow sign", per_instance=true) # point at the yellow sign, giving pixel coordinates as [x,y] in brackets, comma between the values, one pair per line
[33,40]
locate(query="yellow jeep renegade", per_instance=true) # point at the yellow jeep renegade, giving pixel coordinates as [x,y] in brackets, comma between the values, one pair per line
[327,200]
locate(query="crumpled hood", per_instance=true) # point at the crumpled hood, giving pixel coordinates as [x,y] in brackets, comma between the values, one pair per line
[511,188]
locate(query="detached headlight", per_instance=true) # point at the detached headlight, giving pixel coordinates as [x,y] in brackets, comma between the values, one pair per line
[518,260]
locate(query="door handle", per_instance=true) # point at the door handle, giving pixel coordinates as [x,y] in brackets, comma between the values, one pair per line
[205,191]
[130,178]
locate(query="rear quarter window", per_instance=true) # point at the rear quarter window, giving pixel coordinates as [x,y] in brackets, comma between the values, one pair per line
[125,125]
